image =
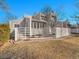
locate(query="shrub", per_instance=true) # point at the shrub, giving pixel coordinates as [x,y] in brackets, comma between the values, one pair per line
[4,32]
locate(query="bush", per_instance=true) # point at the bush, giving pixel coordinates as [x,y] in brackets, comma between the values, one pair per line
[4,32]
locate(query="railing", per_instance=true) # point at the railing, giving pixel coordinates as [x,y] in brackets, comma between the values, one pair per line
[22,33]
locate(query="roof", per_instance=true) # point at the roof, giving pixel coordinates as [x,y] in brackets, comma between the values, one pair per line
[39,20]
[16,21]
[33,19]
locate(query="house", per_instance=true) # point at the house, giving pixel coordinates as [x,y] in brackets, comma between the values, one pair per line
[75,29]
[38,25]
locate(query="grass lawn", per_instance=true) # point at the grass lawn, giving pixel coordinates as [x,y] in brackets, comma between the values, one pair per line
[68,48]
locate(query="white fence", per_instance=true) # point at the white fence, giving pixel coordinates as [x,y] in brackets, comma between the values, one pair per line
[21,33]
[24,32]
[60,32]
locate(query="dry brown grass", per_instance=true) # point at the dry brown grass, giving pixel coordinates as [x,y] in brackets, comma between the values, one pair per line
[52,49]
[1,43]
[72,40]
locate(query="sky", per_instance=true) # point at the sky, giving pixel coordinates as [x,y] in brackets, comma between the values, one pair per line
[28,7]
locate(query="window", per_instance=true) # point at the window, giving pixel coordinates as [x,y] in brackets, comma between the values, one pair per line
[37,24]
[34,24]
[42,25]
[16,25]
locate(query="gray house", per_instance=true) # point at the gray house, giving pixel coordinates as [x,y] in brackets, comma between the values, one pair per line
[75,29]
[38,25]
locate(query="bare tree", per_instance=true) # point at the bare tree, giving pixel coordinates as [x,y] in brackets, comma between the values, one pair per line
[76,16]
[47,10]
[4,6]
[76,3]
[60,13]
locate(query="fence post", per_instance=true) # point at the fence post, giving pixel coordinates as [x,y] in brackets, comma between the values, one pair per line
[25,32]
[30,26]
[16,34]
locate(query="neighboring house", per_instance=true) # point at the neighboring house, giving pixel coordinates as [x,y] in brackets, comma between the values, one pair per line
[75,29]
[38,25]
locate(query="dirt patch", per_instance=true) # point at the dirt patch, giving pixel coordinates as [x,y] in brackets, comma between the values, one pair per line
[1,44]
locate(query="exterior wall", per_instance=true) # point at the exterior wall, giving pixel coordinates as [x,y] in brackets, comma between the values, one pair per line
[39,28]
[25,22]
[60,32]
[12,24]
